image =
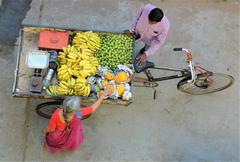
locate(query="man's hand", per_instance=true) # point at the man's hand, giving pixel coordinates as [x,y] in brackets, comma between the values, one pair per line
[128,32]
[143,59]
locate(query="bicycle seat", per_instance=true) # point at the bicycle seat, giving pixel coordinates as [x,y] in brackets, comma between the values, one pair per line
[138,68]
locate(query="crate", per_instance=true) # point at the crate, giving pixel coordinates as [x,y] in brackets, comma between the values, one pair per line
[54,40]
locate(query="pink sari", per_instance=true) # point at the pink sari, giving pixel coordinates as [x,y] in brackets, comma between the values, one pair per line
[67,139]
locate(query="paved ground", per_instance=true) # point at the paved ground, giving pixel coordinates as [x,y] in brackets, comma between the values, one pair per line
[175,126]
[12,111]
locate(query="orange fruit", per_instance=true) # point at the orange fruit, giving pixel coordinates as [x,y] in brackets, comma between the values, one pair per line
[120,89]
[104,83]
[109,76]
[121,77]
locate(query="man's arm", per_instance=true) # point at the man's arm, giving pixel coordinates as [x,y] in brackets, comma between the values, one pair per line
[135,20]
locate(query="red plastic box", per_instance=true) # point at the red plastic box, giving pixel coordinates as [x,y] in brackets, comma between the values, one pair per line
[55,40]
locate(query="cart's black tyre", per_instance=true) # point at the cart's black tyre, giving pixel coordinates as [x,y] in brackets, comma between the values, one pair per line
[46,109]
[206,84]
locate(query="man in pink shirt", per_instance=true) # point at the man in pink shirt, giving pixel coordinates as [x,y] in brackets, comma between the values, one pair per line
[151,27]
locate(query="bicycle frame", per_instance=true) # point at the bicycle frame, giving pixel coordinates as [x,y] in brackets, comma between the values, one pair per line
[183,73]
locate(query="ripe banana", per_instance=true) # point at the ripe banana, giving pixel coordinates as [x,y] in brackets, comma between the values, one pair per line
[77,62]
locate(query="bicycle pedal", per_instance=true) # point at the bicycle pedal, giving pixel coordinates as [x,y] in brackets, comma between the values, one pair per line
[149,75]
[150,84]
[154,94]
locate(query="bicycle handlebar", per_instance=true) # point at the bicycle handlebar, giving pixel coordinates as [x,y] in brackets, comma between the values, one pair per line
[189,60]
[177,49]
[181,49]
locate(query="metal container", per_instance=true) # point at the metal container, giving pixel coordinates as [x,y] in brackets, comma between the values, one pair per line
[37,59]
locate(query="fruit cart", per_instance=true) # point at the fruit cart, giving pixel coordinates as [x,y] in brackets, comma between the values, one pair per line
[37,66]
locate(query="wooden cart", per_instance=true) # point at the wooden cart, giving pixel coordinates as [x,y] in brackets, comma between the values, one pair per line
[28,42]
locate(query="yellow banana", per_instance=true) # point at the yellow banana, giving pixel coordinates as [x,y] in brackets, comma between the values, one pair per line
[70,71]
[62,85]
[85,56]
[72,56]
[61,72]
[48,91]
[73,81]
[86,50]
[87,90]
[81,80]
[81,89]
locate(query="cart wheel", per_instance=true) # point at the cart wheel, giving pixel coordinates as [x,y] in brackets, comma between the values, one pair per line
[46,109]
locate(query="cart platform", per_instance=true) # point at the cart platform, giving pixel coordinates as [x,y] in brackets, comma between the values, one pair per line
[29,42]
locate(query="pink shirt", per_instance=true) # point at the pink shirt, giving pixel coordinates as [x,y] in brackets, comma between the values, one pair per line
[152,35]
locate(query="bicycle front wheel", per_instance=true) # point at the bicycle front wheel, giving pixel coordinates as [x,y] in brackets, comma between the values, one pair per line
[205,84]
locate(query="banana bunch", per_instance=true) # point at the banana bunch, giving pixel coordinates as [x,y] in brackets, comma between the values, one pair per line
[63,72]
[94,61]
[86,68]
[82,87]
[69,55]
[87,40]
[72,86]
[59,90]
[52,89]
[74,62]
[85,53]
[84,91]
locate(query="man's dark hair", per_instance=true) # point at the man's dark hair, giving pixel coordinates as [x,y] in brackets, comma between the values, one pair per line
[156,15]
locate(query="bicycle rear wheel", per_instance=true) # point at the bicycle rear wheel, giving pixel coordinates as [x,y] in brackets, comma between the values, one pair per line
[46,109]
[205,84]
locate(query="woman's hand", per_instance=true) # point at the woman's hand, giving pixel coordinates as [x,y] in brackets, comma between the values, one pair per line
[108,91]
[46,131]
[103,95]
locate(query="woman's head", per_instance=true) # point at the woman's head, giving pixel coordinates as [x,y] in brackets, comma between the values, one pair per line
[70,106]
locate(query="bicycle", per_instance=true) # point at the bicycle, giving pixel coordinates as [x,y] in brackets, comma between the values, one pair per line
[197,80]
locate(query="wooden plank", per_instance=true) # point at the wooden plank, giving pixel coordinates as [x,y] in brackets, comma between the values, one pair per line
[109,101]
